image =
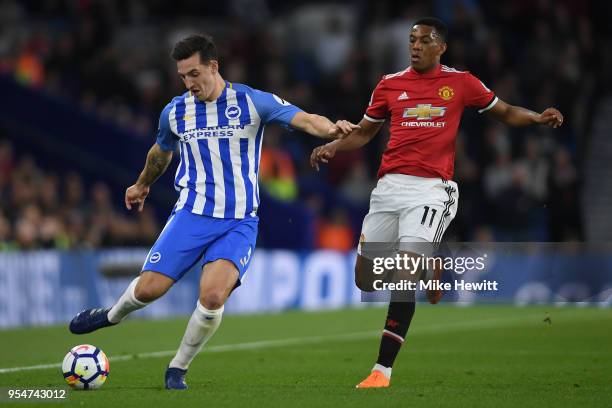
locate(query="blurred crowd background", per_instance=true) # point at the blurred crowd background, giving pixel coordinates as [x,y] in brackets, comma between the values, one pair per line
[105,65]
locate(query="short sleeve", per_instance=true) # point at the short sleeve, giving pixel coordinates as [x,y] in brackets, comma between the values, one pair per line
[377,108]
[165,138]
[477,95]
[272,109]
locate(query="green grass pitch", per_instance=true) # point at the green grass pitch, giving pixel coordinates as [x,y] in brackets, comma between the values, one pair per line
[482,356]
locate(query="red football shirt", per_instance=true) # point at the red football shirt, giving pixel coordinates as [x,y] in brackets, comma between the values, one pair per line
[425,111]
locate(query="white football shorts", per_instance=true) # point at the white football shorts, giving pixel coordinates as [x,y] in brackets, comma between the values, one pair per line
[410,212]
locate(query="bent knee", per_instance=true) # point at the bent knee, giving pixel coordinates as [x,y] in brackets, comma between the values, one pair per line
[365,285]
[147,294]
[364,275]
[151,287]
[213,299]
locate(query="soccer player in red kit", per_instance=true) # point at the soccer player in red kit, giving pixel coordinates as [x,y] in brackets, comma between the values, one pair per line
[415,199]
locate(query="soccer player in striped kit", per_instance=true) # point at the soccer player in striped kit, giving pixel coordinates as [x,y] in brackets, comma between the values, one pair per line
[415,199]
[218,127]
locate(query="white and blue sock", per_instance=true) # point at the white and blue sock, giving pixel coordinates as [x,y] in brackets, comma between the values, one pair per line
[126,304]
[201,327]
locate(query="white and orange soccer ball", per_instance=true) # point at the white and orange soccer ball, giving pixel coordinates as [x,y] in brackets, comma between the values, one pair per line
[85,367]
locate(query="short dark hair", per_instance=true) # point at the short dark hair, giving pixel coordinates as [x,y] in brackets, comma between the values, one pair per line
[436,23]
[195,43]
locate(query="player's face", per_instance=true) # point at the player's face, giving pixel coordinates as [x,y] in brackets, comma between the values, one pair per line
[426,47]
[198,78]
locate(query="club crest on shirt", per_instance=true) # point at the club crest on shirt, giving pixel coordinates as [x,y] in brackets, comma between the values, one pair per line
[233,112]
[446,93]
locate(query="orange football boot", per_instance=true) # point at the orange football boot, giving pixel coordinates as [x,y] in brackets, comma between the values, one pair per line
[376,379]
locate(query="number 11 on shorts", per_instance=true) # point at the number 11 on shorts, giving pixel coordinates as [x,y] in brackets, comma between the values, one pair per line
[433,215]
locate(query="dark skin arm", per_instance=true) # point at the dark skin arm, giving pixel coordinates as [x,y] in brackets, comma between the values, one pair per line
[357,138]
[156,164]
[517,116]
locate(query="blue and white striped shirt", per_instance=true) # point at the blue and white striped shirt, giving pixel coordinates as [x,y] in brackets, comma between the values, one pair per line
[220,148]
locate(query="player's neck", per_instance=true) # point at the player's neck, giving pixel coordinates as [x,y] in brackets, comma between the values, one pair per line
[219,87]
[426,70]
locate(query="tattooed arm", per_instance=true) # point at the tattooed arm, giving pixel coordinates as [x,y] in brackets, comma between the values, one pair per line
[157,162]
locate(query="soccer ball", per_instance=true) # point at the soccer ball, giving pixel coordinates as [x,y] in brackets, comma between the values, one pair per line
[85,367]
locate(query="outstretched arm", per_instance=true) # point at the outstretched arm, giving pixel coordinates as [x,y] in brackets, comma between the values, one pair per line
[156,164]
[517,116]
[355,139]
[320,126]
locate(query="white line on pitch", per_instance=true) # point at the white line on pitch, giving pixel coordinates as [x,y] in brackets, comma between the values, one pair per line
[254,345]
[217,349]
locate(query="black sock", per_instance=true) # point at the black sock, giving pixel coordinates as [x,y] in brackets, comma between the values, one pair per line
[399,316]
